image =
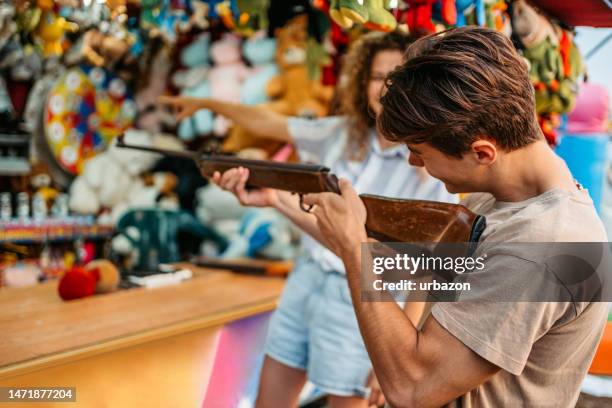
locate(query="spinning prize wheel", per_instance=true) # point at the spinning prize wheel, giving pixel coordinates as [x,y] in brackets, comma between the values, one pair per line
[84,110]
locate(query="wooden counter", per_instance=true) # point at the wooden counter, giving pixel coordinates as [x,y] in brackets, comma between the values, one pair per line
[39,331]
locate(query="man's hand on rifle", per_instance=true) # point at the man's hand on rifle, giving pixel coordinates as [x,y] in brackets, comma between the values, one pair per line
[182,106]
[340,218]
[234,181]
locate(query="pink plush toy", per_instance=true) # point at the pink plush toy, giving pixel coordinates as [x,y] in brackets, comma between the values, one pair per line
[226,76]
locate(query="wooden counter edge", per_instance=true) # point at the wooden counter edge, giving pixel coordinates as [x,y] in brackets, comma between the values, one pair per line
[43,362]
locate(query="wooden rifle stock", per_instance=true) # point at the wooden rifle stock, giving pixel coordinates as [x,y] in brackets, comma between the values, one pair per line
[388,219]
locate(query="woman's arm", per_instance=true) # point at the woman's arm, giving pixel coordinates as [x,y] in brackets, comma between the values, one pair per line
[255,119]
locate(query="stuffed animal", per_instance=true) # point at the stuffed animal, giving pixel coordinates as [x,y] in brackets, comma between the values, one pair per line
[106,274]
[151,13]
[194,82]
[226,76]
[554,64]
[199,13]
[213,7]
[263,232]
[158,230]
[467,6]
[219,209]
[42,186]
[244,17]
[51,32]
[259,51]
[497,16]
[77,283]
[292,91]
[111,180]
[102,49]
[99,276]
[373,14]
[347,12]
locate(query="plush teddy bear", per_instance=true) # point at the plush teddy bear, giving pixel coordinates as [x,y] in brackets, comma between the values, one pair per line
[259,51]
[292,91]
[111,180]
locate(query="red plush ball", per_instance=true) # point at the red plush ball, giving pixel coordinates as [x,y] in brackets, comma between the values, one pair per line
[77,283]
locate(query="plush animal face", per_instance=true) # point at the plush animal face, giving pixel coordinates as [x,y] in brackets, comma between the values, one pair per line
[292,42]
[226,51]
[259,51]
[530,26]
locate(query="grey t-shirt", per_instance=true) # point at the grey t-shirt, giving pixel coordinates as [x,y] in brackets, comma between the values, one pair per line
[543,348]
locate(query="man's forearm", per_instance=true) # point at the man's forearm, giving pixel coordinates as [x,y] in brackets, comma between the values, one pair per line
[388,334]
[255,119]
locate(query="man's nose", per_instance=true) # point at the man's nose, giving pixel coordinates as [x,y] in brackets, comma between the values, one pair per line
[415,161]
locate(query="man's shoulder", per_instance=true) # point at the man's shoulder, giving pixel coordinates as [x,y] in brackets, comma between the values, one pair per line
[556,216]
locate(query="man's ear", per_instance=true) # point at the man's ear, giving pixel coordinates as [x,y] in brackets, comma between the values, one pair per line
[485,151]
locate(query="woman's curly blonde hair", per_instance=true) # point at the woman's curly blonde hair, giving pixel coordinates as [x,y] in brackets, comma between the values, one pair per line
[352,97]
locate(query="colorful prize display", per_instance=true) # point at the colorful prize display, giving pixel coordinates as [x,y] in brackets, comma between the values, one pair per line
[85,109]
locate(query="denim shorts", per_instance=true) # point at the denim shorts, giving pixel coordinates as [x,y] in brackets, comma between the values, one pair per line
[315,329]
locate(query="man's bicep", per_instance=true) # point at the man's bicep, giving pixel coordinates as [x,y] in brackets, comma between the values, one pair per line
[451,368]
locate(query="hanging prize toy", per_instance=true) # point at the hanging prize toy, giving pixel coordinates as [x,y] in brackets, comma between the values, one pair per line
[50,33]
[418,16]
[466,8]
[497,16]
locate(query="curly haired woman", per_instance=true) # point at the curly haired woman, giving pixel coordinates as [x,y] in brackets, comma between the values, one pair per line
[314,333]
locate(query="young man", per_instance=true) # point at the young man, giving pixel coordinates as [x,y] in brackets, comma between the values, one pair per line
[463,104]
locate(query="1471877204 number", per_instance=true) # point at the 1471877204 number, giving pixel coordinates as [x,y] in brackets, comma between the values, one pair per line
[41,394]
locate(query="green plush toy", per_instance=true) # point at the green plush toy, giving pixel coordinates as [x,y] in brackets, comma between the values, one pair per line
[373,14]
[379,18]
[347,12]
[544,70]
[555,63]
[554,73]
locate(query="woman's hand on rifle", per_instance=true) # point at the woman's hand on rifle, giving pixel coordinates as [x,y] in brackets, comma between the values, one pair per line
[234,181]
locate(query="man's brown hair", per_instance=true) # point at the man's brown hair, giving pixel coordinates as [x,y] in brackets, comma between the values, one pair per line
[457,86]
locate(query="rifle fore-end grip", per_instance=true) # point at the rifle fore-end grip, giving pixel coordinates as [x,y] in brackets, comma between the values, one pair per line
[296,178]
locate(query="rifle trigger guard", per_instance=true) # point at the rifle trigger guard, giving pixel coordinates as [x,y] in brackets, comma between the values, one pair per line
[303,206]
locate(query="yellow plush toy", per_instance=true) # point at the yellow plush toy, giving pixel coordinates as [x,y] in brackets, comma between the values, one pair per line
[51,31]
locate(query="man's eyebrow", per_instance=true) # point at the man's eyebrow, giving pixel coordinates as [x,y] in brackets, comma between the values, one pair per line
[413,150]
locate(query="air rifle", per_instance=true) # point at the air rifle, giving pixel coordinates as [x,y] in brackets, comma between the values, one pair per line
[388,219]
